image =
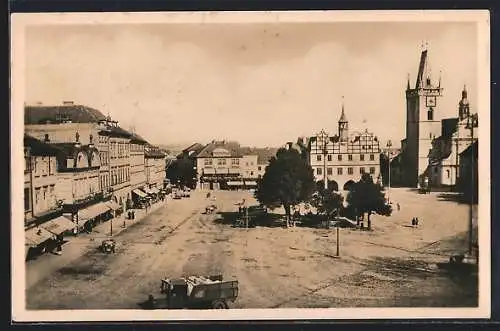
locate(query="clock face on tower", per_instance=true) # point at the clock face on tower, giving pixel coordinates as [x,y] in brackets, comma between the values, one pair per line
[430,101]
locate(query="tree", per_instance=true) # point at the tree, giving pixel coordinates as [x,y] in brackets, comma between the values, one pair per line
[182,171]
[367,197]
[327,202]
[288,181]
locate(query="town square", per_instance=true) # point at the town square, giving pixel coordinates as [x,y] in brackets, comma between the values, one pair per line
[264,166]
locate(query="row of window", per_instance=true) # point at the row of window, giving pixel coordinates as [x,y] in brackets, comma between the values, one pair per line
[104,156]
[340,171]
[119,149]
[136,148]
[221,162]
[42,166]
[84,186]
[45,198]
[120,175]
[319,157]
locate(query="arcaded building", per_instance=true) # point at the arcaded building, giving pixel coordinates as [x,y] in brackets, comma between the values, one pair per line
[342,158]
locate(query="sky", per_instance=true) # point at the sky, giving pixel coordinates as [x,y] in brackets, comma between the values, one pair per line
[260,84]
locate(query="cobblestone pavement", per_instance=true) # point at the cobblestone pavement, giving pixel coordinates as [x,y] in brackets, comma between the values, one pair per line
[393,265]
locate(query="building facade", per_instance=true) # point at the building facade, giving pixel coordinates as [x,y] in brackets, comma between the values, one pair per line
[137,162]
[40,179]
[155,167]
[422,123]
[344,157]
[456,136]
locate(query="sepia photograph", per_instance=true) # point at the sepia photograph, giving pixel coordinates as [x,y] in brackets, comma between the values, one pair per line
[250,165]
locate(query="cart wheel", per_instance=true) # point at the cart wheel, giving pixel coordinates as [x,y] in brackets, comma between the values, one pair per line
[219,304]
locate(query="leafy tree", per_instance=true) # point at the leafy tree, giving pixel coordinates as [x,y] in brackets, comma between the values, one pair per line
[182,171]
[327,202]
[288,181]
[367,197]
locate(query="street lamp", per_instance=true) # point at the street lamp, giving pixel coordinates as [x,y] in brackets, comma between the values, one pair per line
[472,122]
[389,145]
[324,142]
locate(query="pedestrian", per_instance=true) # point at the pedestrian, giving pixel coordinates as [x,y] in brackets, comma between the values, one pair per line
[413,222]
[133,214]
[416,222]
[398,206]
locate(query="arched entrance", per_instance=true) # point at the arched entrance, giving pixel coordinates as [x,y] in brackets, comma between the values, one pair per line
[331,185]
[348,185]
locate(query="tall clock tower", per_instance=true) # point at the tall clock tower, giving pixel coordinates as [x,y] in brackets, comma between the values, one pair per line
[422,121]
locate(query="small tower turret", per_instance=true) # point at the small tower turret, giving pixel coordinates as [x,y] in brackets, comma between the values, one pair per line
[343,125]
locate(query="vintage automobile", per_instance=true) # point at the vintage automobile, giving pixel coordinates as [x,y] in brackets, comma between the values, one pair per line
[187,192]
[194,292]
[210,209]
[108,246]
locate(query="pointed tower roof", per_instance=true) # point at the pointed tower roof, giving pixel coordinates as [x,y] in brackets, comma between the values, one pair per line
[343,118]
[423,69]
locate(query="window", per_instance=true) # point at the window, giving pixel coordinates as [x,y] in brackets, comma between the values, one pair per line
[260,168]
[329,157]
[435,170]
[350,171]
[318,157]
[251,173]
[340,157]
[372,170]
[329,171]
[44,193]
[362,157]
[208,162]
[27,164]
[430,114]
[372,157]
[235,162]
[349,157]
[27,199]
[319,171]
[362,170]
[339,171]
[447,173]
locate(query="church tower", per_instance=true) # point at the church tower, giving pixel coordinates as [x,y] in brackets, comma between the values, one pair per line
[422,123]
[343,125]
[463,106]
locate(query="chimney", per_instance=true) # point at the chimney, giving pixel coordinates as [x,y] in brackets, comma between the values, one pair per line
[68,103]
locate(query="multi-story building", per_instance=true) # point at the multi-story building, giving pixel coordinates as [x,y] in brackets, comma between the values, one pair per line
[40,178]
[137,162]
[155,168]
[422,124]
[343,158]
[226,165]
[63,123]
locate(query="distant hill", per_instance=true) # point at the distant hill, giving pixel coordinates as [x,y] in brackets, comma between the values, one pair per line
[174,149]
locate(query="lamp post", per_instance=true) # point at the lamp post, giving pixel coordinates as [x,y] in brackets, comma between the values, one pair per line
[389,145]
[471,123]
[324,142]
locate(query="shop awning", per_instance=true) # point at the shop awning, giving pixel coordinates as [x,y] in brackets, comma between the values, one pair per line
[146,190]
[35,236]
[140,193]
[234,183]
[154,190]
[251,183]
[58,225]
[113,205]
[92,211]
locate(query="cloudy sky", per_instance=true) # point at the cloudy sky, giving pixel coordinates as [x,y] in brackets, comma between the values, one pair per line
[260,84]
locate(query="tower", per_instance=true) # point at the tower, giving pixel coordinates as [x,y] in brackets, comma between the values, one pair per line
[463,106]
[343,125]
[422,125]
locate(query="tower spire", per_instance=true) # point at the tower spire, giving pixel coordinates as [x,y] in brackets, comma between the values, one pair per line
[343,118]
[408,82]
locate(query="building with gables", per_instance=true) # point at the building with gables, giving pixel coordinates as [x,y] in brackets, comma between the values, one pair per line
[341,159]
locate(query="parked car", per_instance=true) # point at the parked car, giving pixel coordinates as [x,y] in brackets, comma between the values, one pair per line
[187,192]
[108,246]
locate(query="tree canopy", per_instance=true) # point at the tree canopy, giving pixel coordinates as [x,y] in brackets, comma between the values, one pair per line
[367,197]
[327,202]
[288,181]
[182,171]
